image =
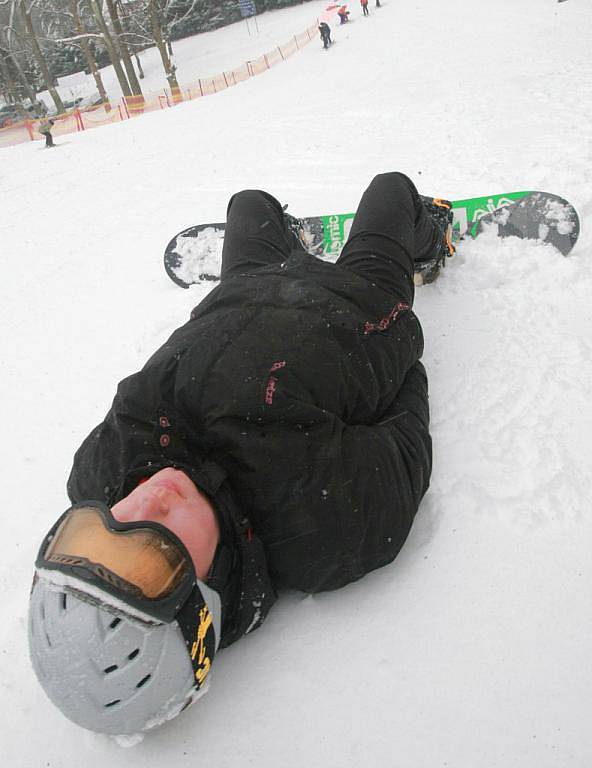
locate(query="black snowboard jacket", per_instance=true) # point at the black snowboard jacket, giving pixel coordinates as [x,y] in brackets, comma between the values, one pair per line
[294,399]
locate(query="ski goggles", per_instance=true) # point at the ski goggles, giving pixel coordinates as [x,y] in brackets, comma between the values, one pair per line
[141,564]
[139,569]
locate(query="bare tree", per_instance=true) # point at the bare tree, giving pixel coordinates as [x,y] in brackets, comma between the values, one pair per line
[87,52]
[24,9]
[111,47]
[139,65]
[154,14]
[13,47]
[112,7]
[122,27]
[146,26]
[7,83]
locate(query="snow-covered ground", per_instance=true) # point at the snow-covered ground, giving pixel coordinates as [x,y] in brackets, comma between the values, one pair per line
[473,648]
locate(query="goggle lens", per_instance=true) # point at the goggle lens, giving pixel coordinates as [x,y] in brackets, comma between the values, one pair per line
[142,557]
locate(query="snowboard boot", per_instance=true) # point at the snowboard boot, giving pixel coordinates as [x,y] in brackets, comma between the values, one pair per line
[440,212]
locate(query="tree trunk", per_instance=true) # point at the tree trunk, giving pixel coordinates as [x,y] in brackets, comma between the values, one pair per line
[31,95]
[125,54]
[139,64]
[88,54]
[37,52]
[169,67]
[11,90]
[19,70]
[111,49]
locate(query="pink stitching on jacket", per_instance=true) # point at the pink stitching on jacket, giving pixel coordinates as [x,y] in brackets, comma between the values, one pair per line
[383,324]
[272,381]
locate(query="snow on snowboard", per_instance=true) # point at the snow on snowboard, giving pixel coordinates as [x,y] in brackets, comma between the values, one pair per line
[195,253]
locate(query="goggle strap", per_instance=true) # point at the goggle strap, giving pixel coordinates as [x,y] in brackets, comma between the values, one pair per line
[197,624]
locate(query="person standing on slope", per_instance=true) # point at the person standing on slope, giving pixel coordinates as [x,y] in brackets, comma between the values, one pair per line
[278,440]
[364,4]
[45,130]
[325,31]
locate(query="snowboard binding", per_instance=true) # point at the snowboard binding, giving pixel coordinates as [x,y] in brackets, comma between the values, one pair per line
[440,212]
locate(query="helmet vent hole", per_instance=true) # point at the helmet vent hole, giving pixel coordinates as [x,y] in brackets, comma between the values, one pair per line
[113,624]
[112,668]
[143,681]
[63,601]
[133,654]
[112,703]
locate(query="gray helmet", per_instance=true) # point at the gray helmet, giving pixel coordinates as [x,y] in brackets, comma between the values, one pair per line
[110,672]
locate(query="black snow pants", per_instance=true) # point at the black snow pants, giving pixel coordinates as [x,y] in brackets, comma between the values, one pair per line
[390,231]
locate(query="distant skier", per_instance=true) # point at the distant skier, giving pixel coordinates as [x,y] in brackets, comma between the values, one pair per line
[343,14]
[45,130]
[364,4]
[378,3]
[325,31]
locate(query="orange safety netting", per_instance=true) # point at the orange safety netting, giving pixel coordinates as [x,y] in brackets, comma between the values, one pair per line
[101,115]
[14,134]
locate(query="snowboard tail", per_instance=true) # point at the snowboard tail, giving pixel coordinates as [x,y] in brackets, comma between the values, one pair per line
[194,255]
[536,216]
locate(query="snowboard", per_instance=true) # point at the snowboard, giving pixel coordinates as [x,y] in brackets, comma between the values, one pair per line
[194,255]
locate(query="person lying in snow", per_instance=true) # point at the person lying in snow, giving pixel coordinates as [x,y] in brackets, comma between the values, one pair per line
[278,440]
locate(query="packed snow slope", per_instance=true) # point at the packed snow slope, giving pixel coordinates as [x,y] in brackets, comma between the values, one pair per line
[473,648]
